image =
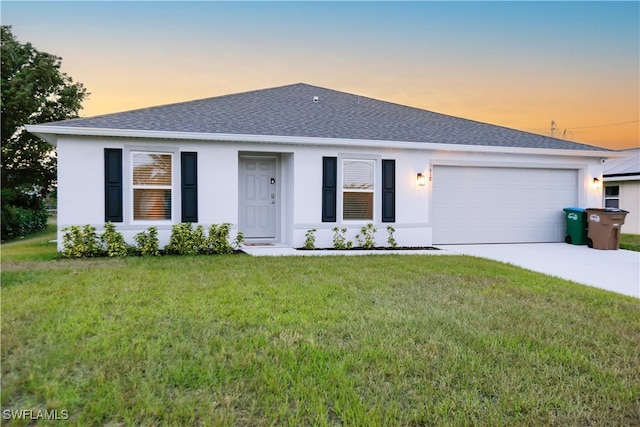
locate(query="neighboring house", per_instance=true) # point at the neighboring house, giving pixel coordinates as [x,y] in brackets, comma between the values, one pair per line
[278,162]
[622,187]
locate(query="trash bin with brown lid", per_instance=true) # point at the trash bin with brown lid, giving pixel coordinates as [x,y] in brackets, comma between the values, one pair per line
[604,227]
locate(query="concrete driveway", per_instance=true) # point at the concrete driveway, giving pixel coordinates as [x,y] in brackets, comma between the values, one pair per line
[617,271]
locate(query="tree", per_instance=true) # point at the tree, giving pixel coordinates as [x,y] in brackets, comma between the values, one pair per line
[34,90]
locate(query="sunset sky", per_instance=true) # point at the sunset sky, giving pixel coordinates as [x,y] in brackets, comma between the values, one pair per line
[515,64]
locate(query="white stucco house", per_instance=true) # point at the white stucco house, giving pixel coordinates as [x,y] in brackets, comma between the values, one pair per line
[277,162]
[622,187]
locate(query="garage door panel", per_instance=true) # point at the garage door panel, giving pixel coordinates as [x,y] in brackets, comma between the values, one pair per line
[505,233]
[500,205]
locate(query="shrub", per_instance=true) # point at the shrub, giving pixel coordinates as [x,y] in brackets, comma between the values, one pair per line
[182,240]
[238,240]
[113,241]
[148,243]
[91,241]
[19,221]
[366,238]
[80,242]
[8,222]
[187,241]
[310,239]
[72,242]
[391,240]
[339,240]
[200,245]
[218,239]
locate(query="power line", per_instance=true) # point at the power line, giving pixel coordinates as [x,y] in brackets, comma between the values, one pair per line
[554,127]
[602,126]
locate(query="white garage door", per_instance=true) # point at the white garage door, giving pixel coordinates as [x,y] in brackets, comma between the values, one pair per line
[501,205]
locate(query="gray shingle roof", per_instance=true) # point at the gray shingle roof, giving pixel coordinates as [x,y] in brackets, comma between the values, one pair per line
[290,111]
[628,165]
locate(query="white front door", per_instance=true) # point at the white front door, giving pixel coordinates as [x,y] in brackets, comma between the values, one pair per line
[258,197]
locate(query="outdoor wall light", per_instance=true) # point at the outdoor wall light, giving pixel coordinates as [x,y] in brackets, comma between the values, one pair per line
[421,180]
[597,185]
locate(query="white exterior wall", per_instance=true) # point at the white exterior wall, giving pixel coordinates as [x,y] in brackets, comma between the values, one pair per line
[81,185]
[411,201]
[629,201]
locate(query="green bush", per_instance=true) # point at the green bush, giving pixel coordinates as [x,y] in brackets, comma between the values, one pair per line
[238,240]
[113,241]
[366,238]
[9,222]
[339,240]
[183,240]
[391,240]
[218,239]
[148,242]
[310,239]
[19,221]
[83,242]
[80,242]
[186,240]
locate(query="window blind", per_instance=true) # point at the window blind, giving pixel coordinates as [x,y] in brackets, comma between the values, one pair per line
[151,169]
[358,174]
[152,186]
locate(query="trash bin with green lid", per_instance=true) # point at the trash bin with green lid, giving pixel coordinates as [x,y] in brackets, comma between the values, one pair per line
[576,226]
[604,227]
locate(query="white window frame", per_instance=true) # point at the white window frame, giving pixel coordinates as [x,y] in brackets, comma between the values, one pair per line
[375,162]
[133,187]
[617,197]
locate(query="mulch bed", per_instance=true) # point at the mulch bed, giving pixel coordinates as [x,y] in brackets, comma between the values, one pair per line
[377,248]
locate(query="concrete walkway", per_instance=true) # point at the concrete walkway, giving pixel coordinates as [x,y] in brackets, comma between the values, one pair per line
[617,271]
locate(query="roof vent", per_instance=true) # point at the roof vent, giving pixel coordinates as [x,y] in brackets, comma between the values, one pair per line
[316,99]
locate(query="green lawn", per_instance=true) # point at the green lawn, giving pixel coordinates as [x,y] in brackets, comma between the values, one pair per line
[369,340]
[36,247]
[630,242]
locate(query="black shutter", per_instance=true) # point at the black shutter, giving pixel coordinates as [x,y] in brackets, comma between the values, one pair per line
[388,191]
[189,183]
[113,185]
[329,188]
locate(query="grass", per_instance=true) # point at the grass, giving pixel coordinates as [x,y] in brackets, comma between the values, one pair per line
[630,242]
[35,247]
[371,340]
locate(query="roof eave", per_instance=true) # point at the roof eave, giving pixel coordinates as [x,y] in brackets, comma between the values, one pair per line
[50,134]
[622,177]
[50,137]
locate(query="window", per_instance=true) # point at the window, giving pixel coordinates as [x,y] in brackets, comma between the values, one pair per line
[612,196]
[358,177]
[152,185]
